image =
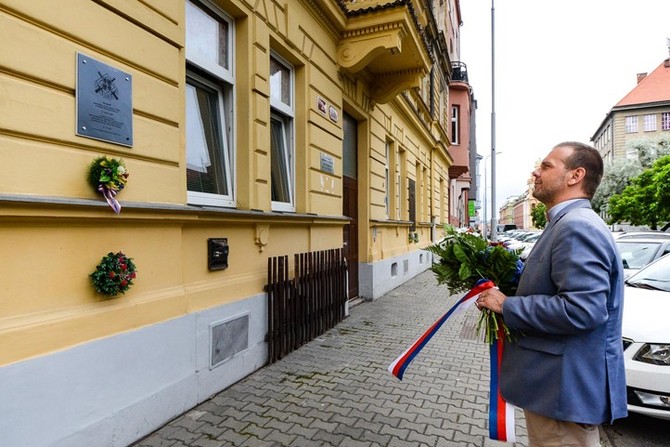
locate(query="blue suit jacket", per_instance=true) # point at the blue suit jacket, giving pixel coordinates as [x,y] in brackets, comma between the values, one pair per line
[569,364]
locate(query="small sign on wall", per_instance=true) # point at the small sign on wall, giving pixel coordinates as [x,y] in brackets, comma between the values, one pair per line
[327,163]
[327,110]
[104,102]
[332,113]
[321,105]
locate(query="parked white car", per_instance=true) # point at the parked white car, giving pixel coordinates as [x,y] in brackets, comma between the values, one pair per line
[646,339]
[640,251]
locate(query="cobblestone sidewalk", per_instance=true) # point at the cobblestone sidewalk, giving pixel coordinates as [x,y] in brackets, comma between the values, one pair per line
[335,390]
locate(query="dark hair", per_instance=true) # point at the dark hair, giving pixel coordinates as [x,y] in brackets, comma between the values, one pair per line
[586,157]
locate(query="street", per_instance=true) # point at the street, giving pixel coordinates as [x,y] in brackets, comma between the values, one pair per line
[638,431]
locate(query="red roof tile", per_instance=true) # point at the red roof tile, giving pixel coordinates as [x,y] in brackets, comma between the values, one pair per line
[655,87]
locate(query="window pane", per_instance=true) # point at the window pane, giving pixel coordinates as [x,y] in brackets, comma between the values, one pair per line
[455,112]
[206,37]
[665,121]
[205,156]
[281,177]
[223,44]
[649,123]
[280,82]
[350,147]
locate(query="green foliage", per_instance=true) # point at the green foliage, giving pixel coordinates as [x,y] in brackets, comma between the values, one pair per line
[646,201]
[109,173]
[620,173]
[114,274]
[539,215]
[616,177]
[465,258]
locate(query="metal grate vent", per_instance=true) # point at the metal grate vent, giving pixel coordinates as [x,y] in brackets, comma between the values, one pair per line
[228,338]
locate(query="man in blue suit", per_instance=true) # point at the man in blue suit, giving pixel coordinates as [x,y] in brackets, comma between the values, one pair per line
[566,369]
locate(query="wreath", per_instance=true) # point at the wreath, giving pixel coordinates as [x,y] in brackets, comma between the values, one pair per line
[114,274]
[108,176]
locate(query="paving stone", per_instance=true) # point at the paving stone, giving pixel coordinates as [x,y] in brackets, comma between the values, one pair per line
[155,441]
[232,438]
[335,390]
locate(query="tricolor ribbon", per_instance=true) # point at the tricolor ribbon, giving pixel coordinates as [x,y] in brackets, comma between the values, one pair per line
[501,414]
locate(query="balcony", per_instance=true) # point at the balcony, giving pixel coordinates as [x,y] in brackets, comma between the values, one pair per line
[385,40]
[459,72]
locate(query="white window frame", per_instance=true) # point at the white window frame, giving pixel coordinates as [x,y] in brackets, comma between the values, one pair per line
[631,124]
[286,114]
[455,124]
[222,80]
[665,121]
[650,123]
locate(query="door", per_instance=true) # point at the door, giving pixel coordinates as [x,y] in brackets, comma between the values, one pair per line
[350,200]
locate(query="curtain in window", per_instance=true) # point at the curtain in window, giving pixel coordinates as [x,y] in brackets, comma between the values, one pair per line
[205,160]
[279,162]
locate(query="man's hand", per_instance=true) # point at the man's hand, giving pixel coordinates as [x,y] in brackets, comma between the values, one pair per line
[491,299]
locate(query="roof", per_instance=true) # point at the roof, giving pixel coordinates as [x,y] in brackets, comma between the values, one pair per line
[654,88]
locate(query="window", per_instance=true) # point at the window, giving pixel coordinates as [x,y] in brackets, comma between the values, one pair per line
[650,123]
[401,175]
[665,121]
[282,151]
[631,124]
[455,116]
[387,180]
[209,107]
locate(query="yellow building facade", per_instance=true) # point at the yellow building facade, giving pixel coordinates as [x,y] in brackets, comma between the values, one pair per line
[275,127]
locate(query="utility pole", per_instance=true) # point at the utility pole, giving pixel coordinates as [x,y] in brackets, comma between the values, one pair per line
[494,235]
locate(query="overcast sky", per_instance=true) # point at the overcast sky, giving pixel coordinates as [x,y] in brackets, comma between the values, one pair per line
[560,66]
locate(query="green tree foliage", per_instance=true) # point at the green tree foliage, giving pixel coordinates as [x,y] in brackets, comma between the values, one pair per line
[539,215]
[646,201]
[464,258]
[619,174]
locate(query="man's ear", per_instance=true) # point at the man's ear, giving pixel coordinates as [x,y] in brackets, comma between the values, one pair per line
[576,176]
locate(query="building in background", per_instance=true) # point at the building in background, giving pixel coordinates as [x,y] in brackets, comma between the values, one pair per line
[250,130]
[643,113]
[517,210]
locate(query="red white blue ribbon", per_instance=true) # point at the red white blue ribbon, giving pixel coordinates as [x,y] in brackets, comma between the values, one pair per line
[501,414]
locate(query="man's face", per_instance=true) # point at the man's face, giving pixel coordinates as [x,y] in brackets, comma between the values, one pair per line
[551,178]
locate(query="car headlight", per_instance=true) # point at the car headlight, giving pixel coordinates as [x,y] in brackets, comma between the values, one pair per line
[656,354]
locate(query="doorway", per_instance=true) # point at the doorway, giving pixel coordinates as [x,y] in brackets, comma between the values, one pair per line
[350,200]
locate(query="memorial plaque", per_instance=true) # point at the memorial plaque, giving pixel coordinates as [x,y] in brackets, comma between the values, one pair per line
[104,102]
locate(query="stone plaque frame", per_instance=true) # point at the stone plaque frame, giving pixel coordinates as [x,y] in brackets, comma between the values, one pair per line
[104,98]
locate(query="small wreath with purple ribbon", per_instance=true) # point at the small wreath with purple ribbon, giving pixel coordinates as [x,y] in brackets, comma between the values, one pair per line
[108,176]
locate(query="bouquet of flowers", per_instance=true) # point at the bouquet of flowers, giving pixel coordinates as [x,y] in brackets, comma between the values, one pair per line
[109,176]
[114,274]
[466,258]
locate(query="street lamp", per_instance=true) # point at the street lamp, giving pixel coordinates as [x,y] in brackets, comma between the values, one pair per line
[494,236]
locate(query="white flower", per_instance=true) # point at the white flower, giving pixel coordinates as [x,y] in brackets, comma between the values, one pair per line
[120,170]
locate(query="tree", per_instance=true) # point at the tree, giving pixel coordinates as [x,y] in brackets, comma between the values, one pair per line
[649,150]
[539,215]
[617,176]
[640,155]
[646,201]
